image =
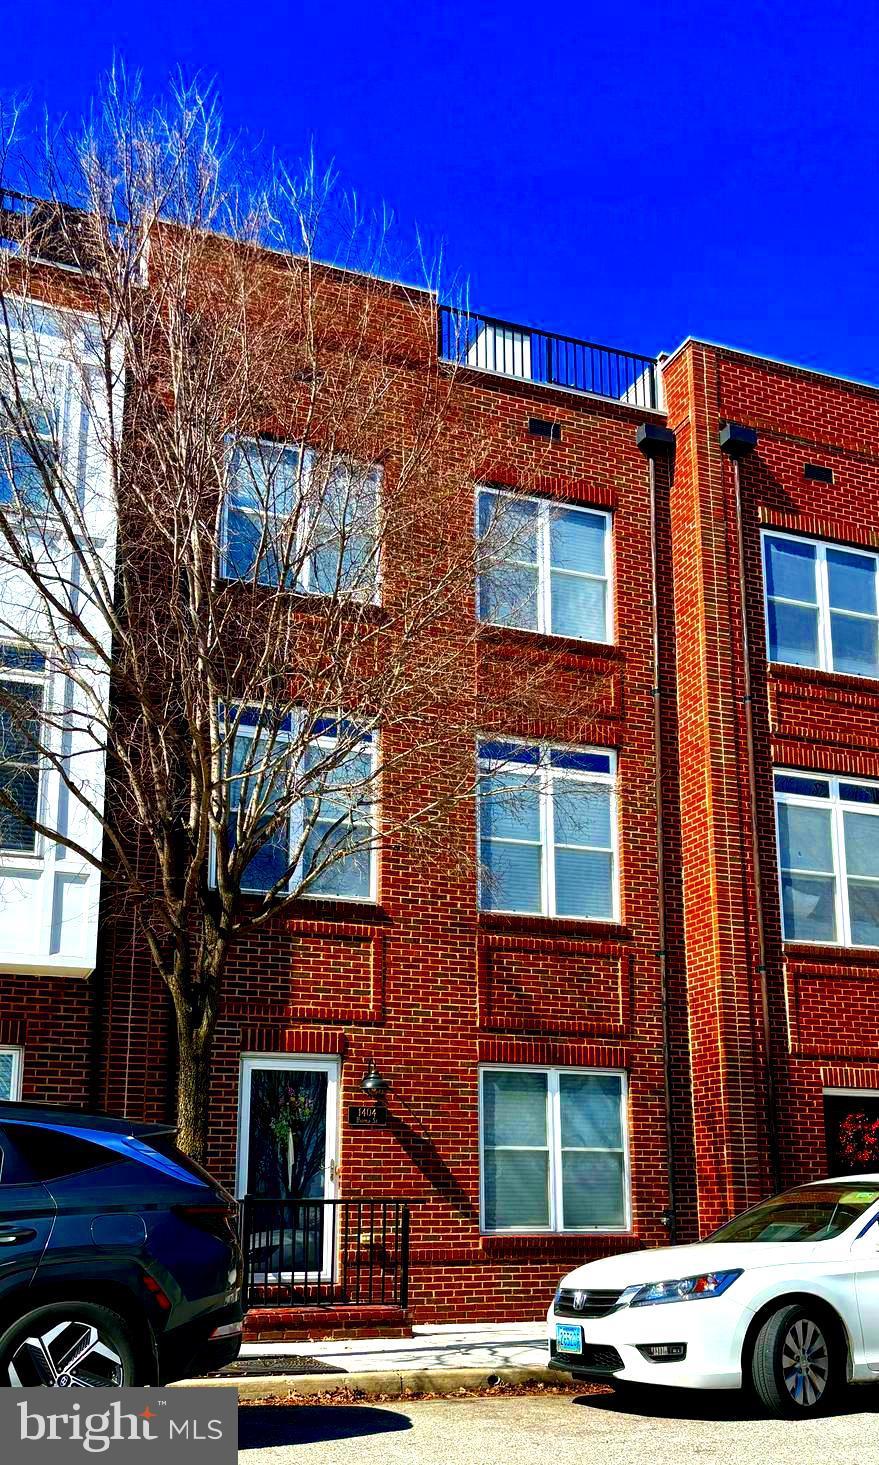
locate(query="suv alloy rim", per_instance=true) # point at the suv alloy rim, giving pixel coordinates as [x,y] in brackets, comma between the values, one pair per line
[69,1354]
[805,1362]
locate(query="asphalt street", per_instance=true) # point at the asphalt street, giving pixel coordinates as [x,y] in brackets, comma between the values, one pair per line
[568,1429]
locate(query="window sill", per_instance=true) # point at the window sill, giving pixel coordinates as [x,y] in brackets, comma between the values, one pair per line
[544,640]
[334,908]
[829,952]
[509,1243]
[783,671]
[564,927]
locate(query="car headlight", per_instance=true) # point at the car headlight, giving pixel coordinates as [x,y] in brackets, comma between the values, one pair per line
[683,1289]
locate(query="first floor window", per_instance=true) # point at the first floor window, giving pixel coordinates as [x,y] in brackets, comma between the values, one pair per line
[10,1073]
[821,604]
[547,830]
[22,674]
[547,566]
[323,845]
[554,1150]
[828,854]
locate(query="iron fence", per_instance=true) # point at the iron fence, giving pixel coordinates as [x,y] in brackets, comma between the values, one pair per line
[501,346]
[322,1253]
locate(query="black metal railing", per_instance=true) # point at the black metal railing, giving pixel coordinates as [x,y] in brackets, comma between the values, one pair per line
[323,1253]
[489,344]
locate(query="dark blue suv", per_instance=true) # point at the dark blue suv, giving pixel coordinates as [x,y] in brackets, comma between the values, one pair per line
[119,1256]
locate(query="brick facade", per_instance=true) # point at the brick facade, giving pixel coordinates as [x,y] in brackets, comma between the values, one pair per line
[431,988]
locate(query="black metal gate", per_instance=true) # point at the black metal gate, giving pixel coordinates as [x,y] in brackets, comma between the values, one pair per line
[325,1253]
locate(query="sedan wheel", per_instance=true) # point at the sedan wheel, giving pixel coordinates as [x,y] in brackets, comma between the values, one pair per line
[796,1361]
[77,1345]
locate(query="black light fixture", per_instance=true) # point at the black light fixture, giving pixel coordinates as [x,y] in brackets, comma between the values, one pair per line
[372,1082]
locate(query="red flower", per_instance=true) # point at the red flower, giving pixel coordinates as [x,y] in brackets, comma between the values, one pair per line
[858,1138]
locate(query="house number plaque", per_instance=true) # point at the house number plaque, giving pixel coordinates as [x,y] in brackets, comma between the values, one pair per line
[367,1116]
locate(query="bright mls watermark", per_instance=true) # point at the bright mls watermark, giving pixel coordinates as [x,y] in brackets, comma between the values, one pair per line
[186,1425]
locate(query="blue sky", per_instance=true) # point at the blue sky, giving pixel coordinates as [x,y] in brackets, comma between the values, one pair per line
[625,172]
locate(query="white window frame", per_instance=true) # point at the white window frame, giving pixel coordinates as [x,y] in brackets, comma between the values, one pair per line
[17,1053]
[307,459]
[838,808]
[38,678]
[545,508]
[295,823]
[554,1135]
[546,775]
[822,594]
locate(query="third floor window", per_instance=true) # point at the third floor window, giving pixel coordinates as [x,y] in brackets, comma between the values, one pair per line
[821,605]
[547,566]
[297,519]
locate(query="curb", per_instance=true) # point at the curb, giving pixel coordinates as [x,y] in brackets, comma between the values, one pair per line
[388,1382]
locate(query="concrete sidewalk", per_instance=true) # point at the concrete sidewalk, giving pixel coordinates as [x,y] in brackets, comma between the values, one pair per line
[496,1345]
[433,1360]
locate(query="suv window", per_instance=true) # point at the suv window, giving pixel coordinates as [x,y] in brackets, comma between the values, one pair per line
[30,1154]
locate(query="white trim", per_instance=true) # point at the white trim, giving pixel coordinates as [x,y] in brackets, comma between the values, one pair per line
[543,564]
[299,1064]
[545,776]
[821,605]
[836,807]
[553,1149]
[15,1077]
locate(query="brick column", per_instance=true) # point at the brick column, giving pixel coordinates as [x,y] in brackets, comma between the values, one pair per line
[725,1034]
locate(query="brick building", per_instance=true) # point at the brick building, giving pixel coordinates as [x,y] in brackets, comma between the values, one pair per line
[631,1034]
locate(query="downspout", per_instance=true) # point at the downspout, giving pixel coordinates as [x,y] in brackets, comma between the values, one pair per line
[738,442]
[654,440]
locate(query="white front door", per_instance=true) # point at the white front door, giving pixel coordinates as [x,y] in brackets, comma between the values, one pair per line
[287,1131]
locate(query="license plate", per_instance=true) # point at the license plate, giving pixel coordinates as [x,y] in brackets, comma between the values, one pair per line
[568,1339]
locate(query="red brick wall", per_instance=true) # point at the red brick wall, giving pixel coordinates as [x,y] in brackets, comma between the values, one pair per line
[51,1019]
[424,983]
[431,988]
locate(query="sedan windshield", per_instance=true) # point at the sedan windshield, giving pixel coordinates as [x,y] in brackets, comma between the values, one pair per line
[809,1213]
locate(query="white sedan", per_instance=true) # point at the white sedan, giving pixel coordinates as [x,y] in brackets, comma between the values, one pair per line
[785,1297]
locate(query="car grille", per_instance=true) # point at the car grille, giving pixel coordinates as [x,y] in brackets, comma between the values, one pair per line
[572,1302]
[597,1357]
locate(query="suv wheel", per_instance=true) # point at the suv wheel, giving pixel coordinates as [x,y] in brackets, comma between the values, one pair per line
[68,1345]
[797,1362]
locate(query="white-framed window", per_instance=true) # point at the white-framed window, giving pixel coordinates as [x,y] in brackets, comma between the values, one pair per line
[828,857]
[553,1149]
[340,814]
[548,830]
[11,1060]
[21,482]
[548,566]
[291,515]
[22,694]
[822,604]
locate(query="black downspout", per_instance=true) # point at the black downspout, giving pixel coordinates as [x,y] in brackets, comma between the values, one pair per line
[654,440]
[738,442]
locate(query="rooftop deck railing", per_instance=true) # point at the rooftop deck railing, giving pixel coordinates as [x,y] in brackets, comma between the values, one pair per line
[501,346]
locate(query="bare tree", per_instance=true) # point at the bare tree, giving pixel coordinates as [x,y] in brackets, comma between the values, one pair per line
[256,587]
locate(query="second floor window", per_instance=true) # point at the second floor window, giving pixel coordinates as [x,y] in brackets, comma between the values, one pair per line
[828,855]
[547,566]
[323,846]
[821,605]
[21,704]
[295,519]
[547,831]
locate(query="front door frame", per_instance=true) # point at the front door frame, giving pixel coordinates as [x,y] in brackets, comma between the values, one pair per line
[298,1062]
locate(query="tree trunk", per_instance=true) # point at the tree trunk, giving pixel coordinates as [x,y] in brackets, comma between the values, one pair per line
[194,1051]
